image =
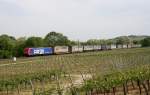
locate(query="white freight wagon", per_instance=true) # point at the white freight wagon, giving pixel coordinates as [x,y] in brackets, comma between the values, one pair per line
[97,47]
[124,46]
[61,49]
[88,48]
[113,46]
[108,47]
[119,46]
[77,48]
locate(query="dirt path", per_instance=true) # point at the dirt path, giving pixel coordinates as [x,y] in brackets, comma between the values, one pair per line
[77,81]
[14,63]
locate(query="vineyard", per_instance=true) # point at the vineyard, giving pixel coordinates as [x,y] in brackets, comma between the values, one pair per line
[114,72]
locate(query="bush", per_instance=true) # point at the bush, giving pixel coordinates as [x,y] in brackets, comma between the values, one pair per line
[145,42]
[5,54]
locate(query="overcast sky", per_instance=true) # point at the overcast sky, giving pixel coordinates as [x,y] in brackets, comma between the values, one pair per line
[77,19]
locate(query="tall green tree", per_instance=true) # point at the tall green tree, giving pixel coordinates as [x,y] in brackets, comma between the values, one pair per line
[98,41]
[34,42]
[54,39]
[93,42]
[136,41]
[109,41]
[145,42]
[119,41]
[19,48]
[74,43]
[7,44]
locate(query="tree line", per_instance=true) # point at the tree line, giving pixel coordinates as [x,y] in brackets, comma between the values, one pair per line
[10,46]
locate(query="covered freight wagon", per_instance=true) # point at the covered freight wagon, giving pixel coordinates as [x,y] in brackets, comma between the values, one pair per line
[61,49]
[124,46]
[113,46]
[108,47]
[38,51]
[77,49]
[103,47]
[129,46]
[119,46]
[97,47]
[88,48]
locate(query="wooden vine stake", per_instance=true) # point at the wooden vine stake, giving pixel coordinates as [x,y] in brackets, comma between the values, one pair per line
[32,88]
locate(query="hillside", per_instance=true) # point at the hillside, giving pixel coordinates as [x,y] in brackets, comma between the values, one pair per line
[134,37]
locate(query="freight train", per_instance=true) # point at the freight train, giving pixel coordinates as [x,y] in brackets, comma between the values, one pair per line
[72,49]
